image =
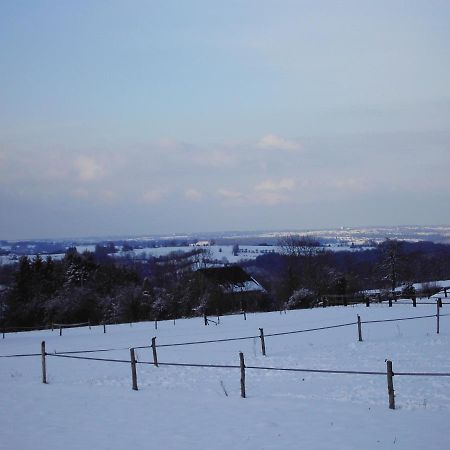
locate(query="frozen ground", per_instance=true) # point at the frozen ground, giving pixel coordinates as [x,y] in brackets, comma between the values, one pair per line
[90,404]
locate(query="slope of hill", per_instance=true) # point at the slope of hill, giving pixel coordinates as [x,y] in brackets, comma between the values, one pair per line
[90,404]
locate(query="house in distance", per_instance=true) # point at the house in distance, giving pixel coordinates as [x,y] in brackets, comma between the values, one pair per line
[231,289]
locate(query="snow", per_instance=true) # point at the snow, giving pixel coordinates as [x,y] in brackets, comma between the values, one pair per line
[217,252]
[417,286]
[90,404]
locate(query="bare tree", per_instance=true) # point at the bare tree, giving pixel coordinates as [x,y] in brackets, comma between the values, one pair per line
[297,245]
[300,252]
[391,261]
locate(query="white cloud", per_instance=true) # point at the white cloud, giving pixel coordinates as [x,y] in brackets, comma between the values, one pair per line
[108,196]
[215,158]
[270,198]
[351,184]
[230,195]
[193,195]
[80,193]
[153,196]
[284,184]
[273,142]
[88,168]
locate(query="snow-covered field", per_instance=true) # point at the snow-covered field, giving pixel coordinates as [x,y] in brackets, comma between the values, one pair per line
[222,253]
[90,404]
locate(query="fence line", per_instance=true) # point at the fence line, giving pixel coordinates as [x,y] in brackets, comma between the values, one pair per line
[216,366]
[242,366]
[71,325]
[261,336]
[389,372]
[104,323]
[20,355]
[100,350]
[281,369]
[399,319]
[311,329]
[88,358]
[201,342]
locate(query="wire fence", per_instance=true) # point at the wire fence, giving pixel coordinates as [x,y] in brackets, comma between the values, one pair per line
[261,336]
[389,373]
[228,366]
[335,302]
[76,355]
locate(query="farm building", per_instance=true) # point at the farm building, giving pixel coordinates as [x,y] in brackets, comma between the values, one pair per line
[231,289]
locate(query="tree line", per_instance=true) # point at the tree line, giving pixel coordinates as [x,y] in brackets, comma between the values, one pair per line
[303,271]
[96,287]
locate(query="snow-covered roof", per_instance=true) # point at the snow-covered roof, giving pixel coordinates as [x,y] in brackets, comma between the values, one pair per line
[232,279]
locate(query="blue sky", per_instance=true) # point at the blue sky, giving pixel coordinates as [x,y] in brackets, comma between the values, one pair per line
[178,116]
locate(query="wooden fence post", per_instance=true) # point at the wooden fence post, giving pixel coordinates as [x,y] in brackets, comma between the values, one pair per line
[104,327]
[3,333]
[218,320]
[414,301]
[44,367]
[60,330]
[156,324]
[359,329]
[245,315]
[205,318]
[445,292]
[242,365]
[439,300]
[133,369]
[390,382]
[367,302]
[52,326]
[437,317]
[263,343]
[155,355]
[390,302]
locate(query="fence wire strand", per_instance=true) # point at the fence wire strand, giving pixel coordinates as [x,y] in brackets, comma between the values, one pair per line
[399,319]
[100,350]
[279,369]
[88,358]
[311,329]
[20,355]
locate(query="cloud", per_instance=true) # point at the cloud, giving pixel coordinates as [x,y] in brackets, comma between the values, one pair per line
[273,192]
[193,195]
[351,184]
[230,195]
[88,169]
[169,144]
[284,184]
[273,142]
[153,196]
[108,196]
[215,158]
[270,198]
[269,193]
[80,193]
